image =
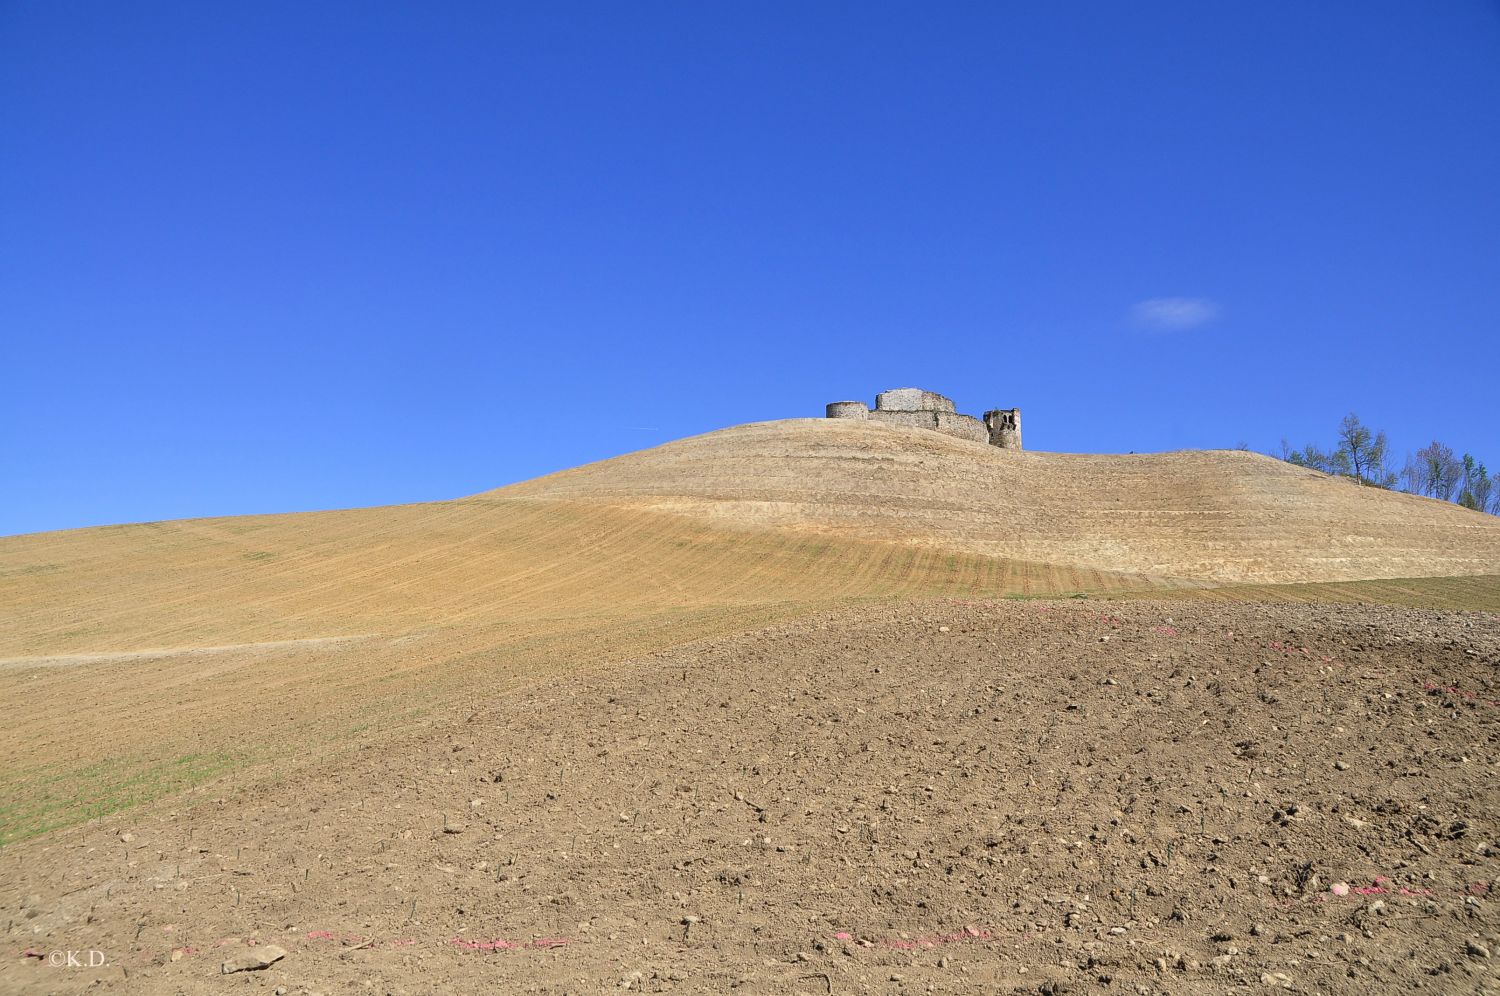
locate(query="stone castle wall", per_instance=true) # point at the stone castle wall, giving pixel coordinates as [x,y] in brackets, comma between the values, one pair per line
[912,399]
[927,410]
[949,423]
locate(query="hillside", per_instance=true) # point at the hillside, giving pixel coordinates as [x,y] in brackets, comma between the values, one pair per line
[571,714]
[229,641]
[995,797]
[368,617]
[1220,515]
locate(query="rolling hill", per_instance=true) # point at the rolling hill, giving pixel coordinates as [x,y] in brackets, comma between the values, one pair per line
[1219,515]
[233,640]
[629,655]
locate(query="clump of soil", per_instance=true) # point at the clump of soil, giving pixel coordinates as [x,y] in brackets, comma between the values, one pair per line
[1037,797]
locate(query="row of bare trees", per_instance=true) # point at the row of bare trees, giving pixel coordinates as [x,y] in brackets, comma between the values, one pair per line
[1434,470]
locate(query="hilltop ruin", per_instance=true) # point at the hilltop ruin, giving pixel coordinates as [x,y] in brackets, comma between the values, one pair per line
[928,410]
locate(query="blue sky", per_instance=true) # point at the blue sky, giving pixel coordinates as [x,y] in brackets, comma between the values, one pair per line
[281,256]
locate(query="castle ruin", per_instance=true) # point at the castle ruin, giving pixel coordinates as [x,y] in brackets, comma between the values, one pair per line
[926,410]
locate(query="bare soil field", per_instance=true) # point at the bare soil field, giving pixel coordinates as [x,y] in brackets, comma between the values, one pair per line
[951,796]
[887,712]
[145,659]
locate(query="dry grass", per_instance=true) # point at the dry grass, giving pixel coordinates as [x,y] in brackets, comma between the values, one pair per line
[1222,516]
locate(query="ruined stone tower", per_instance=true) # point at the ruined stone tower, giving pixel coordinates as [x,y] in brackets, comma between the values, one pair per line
[927,410]
[1005,427]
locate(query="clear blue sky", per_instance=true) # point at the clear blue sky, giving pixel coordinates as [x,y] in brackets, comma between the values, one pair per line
[279,256]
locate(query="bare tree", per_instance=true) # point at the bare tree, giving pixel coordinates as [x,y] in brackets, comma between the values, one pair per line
[1438,471]
[1411,476]
[1364,454]
[1363,451]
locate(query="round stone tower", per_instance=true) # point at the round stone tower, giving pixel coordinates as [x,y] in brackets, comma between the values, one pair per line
[848,409]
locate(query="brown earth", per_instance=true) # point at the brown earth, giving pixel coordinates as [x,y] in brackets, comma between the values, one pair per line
[147,658]
[289,728]
[952,796]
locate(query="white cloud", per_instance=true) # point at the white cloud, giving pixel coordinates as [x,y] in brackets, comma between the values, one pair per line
[1174,314]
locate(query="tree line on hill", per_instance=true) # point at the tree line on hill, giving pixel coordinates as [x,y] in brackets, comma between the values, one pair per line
[1363,454]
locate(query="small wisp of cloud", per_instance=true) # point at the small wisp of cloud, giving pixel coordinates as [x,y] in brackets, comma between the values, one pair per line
[1174,314]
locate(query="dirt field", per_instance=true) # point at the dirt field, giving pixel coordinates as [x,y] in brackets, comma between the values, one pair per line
[697,719]
[999,796]
[149,658]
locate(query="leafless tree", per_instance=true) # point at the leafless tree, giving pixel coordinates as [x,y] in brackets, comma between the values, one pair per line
[1439,471]
[1411,476]
[1363,451]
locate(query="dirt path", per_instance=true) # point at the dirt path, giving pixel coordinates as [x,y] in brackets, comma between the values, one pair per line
[960,797]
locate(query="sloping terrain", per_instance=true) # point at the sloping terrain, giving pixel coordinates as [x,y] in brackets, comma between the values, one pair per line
[277,577]
[145,658]
[1211,515]
[1019,796]
[727,713]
